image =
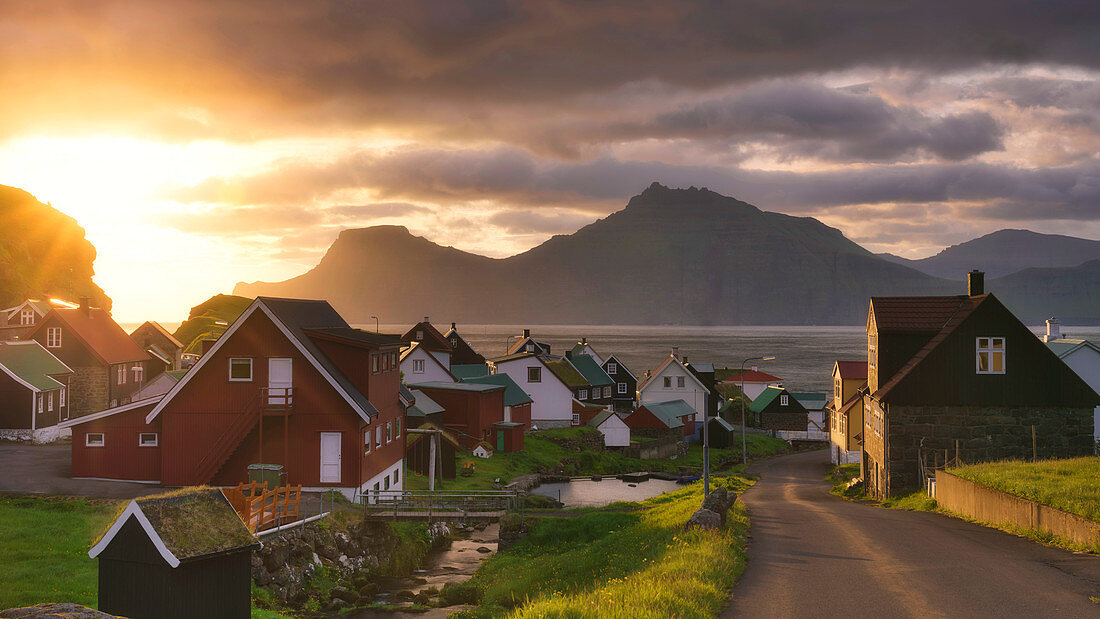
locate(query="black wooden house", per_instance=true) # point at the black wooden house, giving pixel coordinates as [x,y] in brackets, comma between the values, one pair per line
[181,554]
[626,385]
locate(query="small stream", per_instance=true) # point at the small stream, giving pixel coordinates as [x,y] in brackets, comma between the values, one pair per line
[589,493]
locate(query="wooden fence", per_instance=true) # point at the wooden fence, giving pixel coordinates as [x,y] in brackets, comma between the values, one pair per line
[261,508]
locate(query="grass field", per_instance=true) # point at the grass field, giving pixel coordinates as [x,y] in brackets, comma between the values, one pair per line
[543,451]
[634,564]
[1071,485]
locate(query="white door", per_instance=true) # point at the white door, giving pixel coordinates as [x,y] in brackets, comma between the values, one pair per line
[330,457]
[279,381]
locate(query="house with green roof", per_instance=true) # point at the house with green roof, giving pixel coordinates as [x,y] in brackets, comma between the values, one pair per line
[615,431]
[34,388]
[584,348]
[600,385]
[674,417]
[517,403]
[462,371]
[777,409]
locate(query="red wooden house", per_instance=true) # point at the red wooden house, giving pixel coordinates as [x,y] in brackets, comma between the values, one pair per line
[675,417]
[470,408]
[289,383]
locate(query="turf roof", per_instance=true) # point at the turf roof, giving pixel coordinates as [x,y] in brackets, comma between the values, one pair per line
[567,373]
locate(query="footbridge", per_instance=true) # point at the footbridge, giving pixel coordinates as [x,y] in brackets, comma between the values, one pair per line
[432,506]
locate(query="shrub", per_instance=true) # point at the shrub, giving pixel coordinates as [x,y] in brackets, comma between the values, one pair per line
[460,593]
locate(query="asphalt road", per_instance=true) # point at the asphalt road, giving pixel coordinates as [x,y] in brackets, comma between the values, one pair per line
[813,554]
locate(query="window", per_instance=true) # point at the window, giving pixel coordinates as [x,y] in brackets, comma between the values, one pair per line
[121,371]
[53,337]
[419,335]
[679,382]
[622,388]
[374,363]
[396,476]
[454,342]
[386,483]
[49,402]
[582,394]
[139,373]
[378,436]
[991,355]
[836,389]
[240,369]
[872,350]
[612,368]
[396,428]
[668,382]
[385,362]
[418,366]
[783,400]
[26,317]
[534,375]
[576,419]
[393,361]
[40,402]
[366,442]
[147,439]
[607,392]
[61,397]
[93,439]
[389,431]
[376,487]
[530,347]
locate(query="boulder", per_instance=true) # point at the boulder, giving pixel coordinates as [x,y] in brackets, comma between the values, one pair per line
[704,519]
[54,611]
[719,501]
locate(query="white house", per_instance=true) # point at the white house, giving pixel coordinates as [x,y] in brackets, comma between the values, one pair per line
[553,400]
[755,382]
[1083,357]
[673,381]
[584,348]
[615,431]
[419,365]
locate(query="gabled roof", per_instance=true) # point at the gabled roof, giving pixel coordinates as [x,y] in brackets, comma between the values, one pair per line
[620,365]
[415,346]
[914,314]
[293,317]
[851,370]
[513,356]
[1067,346]
[40,307]
[142,403]
[513,394]
[766,397]
[817,400]
[432,340]
[159,329]
[521,343]
[465,386]
[704,368]
[856,398]
[99,333]
[602,417]
[670,360]
[722,422]
[184,525]
[423,405]
[590,370]
[469,370]
[752,376]
[567,374]
[31,365]
[670,412]
[349,335]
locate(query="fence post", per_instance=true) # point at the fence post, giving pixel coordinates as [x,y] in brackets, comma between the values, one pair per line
[1034,448]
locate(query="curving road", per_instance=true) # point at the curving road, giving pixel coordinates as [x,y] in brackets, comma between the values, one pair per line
[813,554]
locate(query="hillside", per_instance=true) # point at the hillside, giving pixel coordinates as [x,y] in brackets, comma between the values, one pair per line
[1072,294]
[209,319]
[1005,252]
[43,250]
[672,256]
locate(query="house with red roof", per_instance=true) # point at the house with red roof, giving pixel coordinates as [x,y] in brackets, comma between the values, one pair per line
[962,375]
[288,383]
[33,389]
[161,345]
[755,382]
[845,411]
[108,366]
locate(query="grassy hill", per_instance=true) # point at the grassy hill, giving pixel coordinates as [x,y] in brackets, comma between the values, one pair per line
[209,319]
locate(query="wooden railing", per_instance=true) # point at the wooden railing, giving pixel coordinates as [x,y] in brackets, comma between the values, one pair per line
[430,505]
[261,508]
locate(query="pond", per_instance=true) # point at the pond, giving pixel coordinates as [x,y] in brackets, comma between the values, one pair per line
[588,493]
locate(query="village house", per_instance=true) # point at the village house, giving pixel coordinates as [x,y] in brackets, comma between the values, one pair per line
[161,346]
[614,430]
[962,375]
[705,373]
[584,348]
[426,336]
[517,404]
[33,389]
[469,370]
[754,381]
[672,380]
[600,385]
[569,376]
[461,351]
[108,367]
[659,419]
[475,412]
[1082,356]
[418,365]
[777,409]
[845,411]
[159,385]
[626,385]
[526,343]
[17,322]
[552,405]
[289,383]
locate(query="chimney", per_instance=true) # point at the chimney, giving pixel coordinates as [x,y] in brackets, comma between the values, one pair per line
[86,306]
[206,346]
[584,340]
[754,368]
[526,333]
[685,358]
[975,283]
[569,354]
[453,327]
[1054,330]
[426,319]
[675,351]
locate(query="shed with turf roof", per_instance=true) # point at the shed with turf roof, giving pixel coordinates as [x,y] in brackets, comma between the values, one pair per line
[182,554]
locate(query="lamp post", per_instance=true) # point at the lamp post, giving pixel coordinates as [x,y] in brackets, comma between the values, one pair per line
[376,329]
[744,450]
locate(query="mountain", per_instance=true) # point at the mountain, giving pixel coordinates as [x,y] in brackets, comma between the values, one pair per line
[209,319]
[1005,252]
[1070,293]
[43,250]
[672,256]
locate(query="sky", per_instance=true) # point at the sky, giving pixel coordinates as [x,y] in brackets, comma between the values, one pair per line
[205,143]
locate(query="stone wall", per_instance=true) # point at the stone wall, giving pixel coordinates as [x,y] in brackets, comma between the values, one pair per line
[88,391]
[981,434]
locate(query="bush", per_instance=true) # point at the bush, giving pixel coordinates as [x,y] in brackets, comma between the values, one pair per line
[460,593]
[511,523]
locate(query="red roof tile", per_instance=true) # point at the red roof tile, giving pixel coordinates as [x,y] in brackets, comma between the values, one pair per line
[101,334]
[914,314]
[753,376]
[852,370]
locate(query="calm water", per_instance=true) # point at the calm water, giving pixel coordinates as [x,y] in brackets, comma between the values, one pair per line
[588,493]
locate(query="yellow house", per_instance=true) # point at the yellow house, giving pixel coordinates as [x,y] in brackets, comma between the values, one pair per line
[846,411]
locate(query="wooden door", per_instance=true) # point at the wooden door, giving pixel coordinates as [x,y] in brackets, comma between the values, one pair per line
[330,457]
[280,381]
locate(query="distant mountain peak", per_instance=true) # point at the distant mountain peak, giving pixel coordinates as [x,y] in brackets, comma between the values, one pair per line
[673,199]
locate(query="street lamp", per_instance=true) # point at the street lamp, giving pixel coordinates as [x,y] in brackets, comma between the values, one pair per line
[744,450]
[376,329]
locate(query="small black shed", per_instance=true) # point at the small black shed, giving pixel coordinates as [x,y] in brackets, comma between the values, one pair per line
[721,433]
[181,554]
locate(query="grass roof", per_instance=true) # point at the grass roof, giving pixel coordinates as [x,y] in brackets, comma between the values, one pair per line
[194,522]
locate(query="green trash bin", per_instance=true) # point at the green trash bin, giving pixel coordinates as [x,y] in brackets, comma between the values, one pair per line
[269,474]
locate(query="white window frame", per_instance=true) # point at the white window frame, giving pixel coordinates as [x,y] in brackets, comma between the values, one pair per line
[537,375]
[61,398]
[419,335]
[367,440]
[680,382]
[53,337]
[987,346]
[250,368]
[389,432]
[622,388]
[88,439]
[26,317]
[378,436]
[607,392]
[784,400]
[612,368]
[139,372]
[418,366]
[396,428]
[396,476]
[374,364]
[121,371]
[49,402]
[454,342]
[582,394]
[576,419]
[143,443]
[40,402]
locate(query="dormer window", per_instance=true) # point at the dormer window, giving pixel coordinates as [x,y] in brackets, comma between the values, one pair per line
[26,317]
[612,368]
[53,337]
[784,400]
[990,357]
